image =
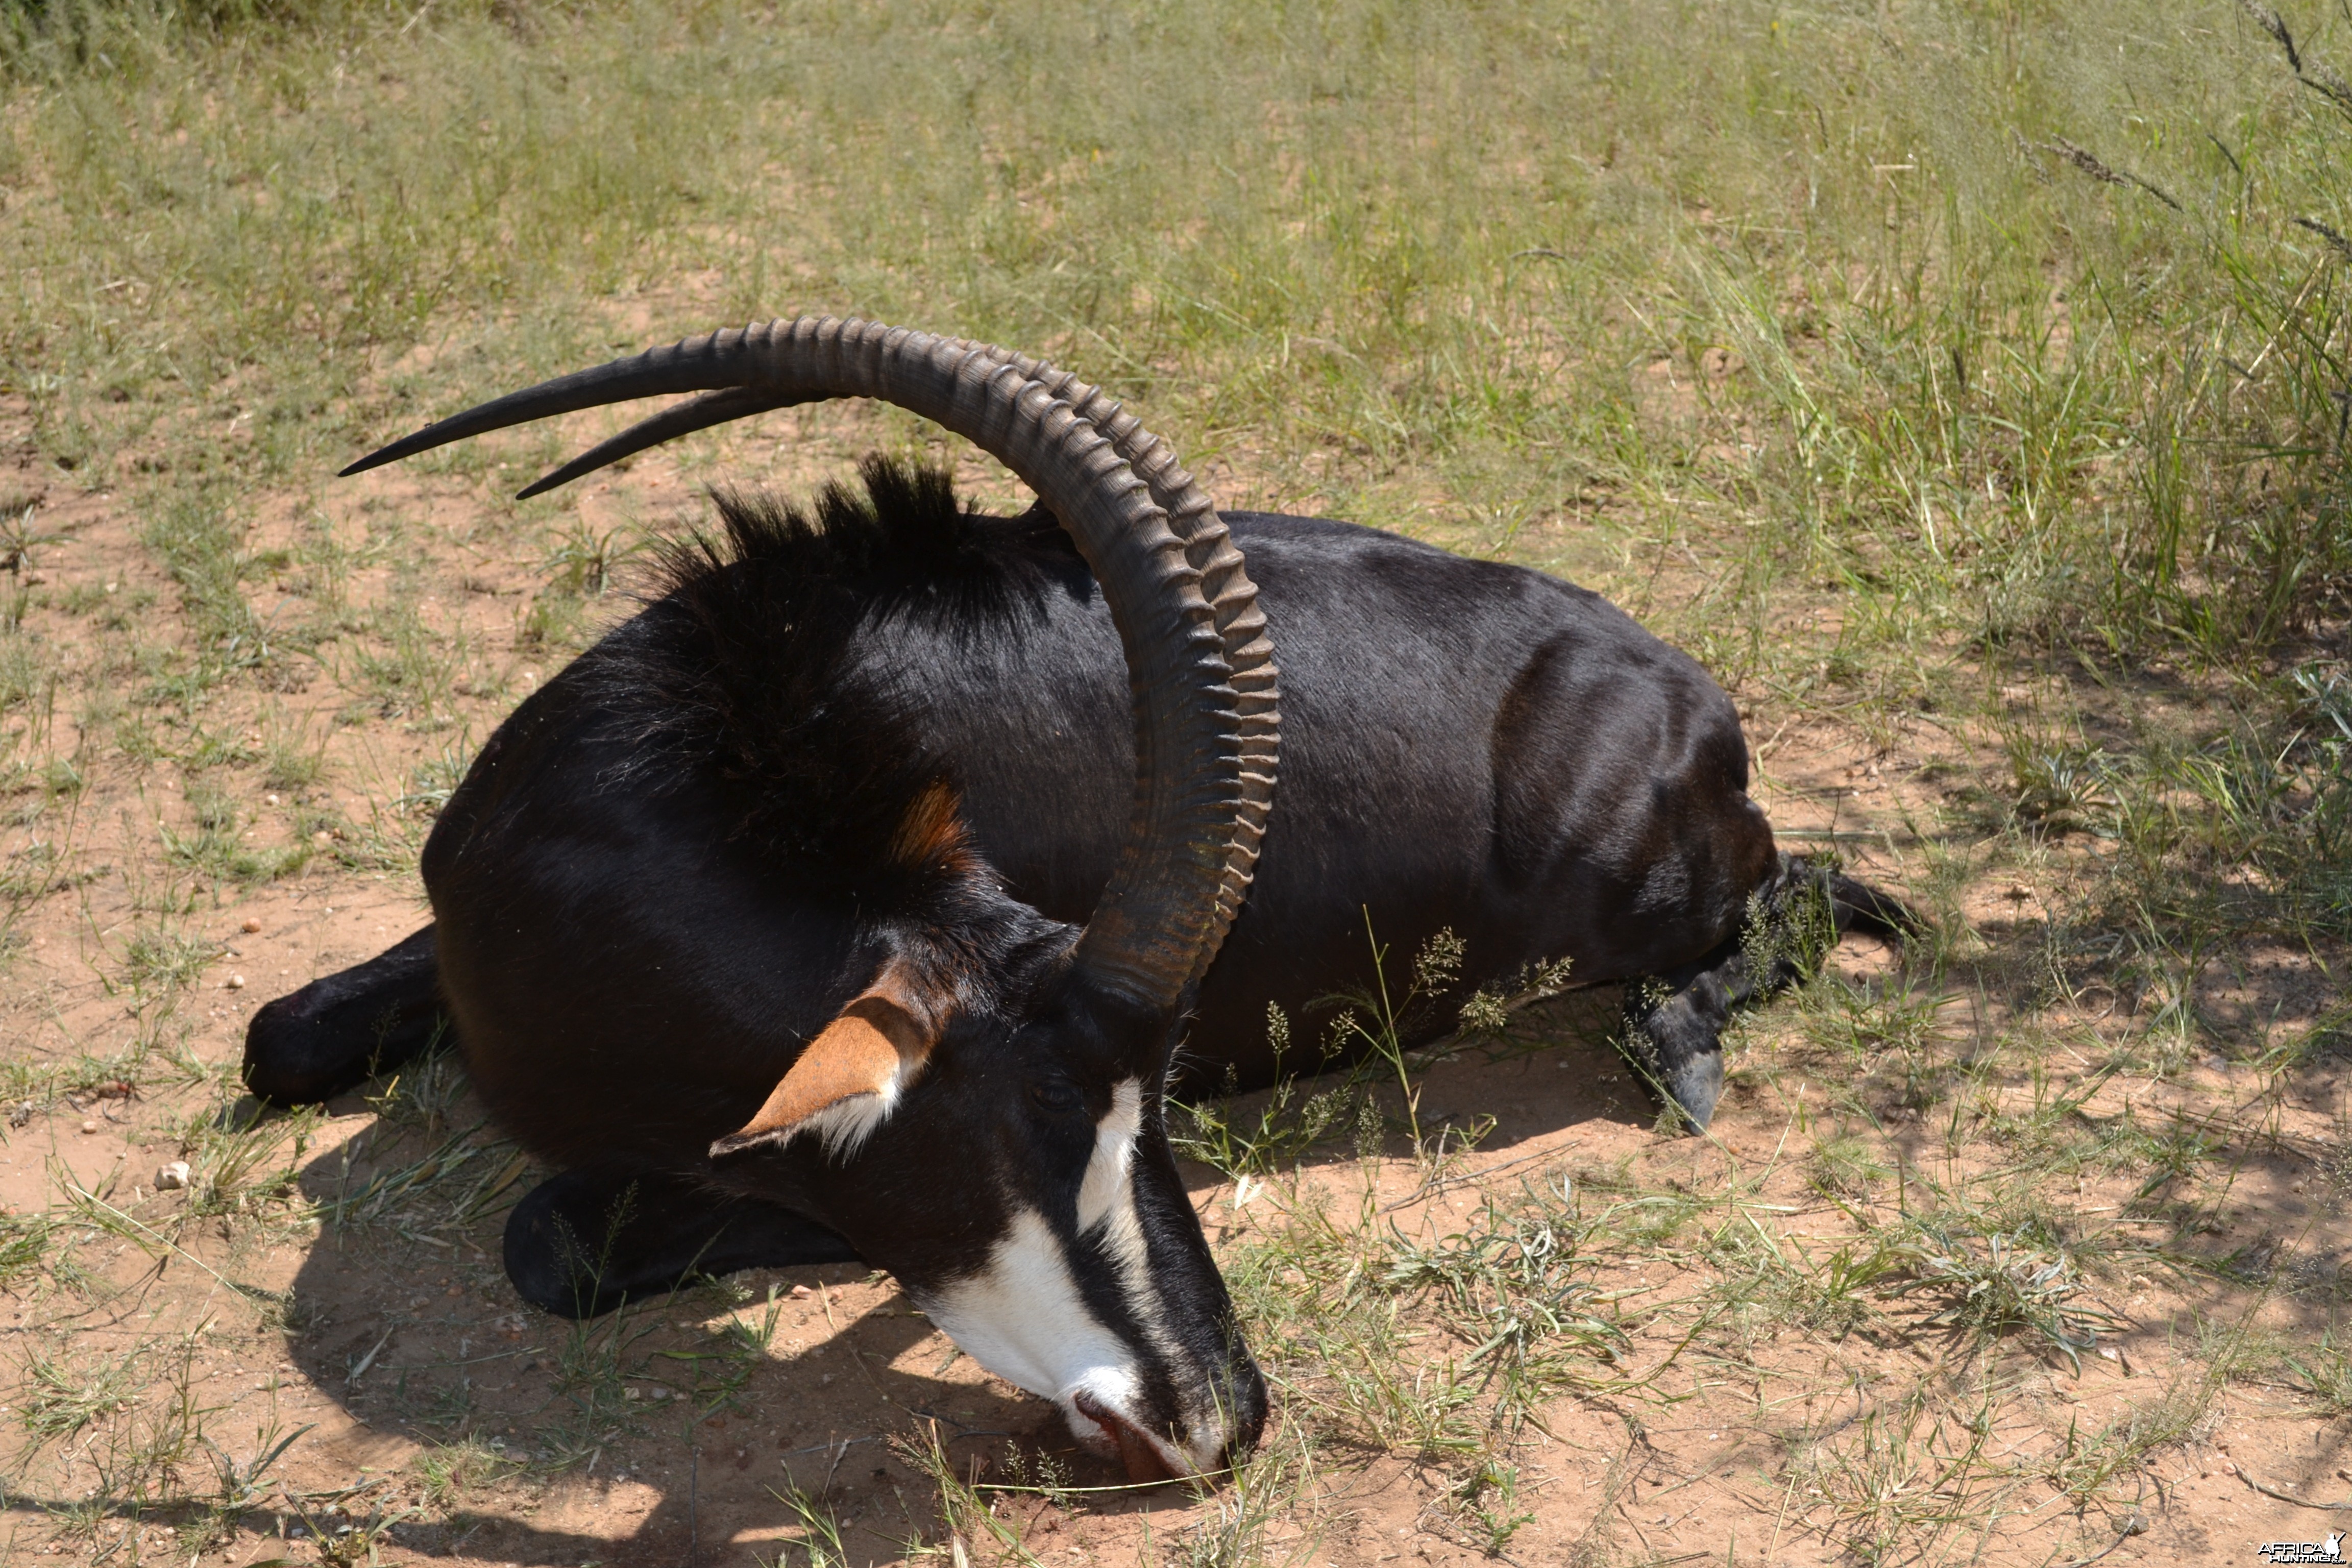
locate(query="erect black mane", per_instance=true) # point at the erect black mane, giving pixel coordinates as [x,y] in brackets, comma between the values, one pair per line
[906,544]
[742,668]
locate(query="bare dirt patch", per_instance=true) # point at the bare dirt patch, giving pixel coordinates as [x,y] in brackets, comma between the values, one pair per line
[1818,1332]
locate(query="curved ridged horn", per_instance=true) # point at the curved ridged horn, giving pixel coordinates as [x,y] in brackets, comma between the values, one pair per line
[1205,725]
[1233,598]
[1192,517]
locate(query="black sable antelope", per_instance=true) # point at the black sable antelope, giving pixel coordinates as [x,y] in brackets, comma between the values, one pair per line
[858,832]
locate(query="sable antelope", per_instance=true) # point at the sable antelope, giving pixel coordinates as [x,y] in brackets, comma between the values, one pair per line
[850,834]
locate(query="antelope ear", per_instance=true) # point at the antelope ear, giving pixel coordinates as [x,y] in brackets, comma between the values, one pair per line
[847,1081]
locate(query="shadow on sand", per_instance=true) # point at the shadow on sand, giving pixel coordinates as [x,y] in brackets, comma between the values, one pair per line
[671,1432]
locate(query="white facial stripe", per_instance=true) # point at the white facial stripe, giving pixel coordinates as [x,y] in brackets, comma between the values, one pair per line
[1105,1185]
[1106,1215]
[1022,1319]
[1107,1208]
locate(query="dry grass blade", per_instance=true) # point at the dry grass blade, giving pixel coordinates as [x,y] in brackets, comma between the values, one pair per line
[2091,165]
[2342,245]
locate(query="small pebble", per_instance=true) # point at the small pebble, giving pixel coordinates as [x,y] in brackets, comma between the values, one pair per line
[171,1177]
[270,798]
[90,1126]
[237,982]
[802,1292]
[252,923]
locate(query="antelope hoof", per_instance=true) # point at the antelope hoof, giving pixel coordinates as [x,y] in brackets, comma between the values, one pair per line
[1696,1085]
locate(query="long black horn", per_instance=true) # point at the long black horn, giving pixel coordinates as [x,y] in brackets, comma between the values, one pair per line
[678,419]
[1199,664]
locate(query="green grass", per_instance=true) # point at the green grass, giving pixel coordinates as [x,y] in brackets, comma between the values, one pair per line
[1967,386]
[160,958]
[1379,238]
[63,1395]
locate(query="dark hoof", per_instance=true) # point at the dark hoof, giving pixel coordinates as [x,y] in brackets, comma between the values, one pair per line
[1676,1044]
[1695,1086]
[591,1240]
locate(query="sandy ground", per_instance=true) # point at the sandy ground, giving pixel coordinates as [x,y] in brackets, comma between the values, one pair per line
[433,1419]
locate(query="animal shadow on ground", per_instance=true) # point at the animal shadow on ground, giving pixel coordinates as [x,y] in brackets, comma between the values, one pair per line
[652,1435]
[680,1429]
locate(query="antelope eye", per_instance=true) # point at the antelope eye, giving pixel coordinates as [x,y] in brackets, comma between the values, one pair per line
[1058,1098]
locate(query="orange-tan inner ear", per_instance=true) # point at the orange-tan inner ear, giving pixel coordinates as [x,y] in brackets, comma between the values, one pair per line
[881,1037]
